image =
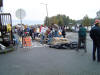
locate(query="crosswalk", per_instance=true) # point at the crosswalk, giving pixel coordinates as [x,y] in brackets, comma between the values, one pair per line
[36,45]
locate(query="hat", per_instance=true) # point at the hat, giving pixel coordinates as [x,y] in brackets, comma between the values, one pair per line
[97,21]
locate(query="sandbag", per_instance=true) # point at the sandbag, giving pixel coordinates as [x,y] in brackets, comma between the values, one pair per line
[73,45]
[59,40]
[2,47]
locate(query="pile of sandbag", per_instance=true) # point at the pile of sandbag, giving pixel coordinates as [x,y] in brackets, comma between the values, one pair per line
[71,45]
[37,39]
[59,40]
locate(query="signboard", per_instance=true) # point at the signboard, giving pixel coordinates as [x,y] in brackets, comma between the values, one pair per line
[20,14]
[27,42]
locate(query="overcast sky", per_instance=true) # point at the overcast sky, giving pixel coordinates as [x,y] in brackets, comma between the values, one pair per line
[75,9]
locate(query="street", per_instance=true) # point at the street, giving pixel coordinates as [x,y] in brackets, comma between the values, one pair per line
[48,61]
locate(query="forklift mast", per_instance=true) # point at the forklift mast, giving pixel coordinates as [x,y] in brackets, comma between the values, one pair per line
[5,20]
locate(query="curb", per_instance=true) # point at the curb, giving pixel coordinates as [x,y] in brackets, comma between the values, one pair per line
[6,50]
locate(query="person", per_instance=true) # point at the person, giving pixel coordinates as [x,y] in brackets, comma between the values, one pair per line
[31,32]
[63,32]
[50,36]
[37,32]
[95,36]
[42,34]
[15,30]
[34,33]
[82,38]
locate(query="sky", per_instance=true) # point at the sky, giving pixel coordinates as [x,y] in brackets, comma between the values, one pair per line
[36,12]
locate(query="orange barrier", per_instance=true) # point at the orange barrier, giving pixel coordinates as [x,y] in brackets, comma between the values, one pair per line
[27,41]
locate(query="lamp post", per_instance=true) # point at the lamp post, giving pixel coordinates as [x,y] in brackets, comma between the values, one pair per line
[46,12]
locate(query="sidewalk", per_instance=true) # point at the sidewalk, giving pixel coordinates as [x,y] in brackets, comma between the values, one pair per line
[8,49]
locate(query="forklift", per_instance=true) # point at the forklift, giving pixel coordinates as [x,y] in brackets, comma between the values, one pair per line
[6,36]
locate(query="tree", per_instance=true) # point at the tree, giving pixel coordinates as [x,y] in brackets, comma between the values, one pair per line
[61,20]
[53,20]
[86,21]
[65,20]
[92,21]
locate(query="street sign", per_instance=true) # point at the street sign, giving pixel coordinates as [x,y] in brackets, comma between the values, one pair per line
[20,14]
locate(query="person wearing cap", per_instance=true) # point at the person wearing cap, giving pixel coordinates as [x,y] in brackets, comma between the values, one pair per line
[95,36]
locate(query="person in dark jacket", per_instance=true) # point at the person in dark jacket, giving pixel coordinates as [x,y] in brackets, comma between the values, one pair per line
[95,36]
[82,38]
[31,31]
[63,32]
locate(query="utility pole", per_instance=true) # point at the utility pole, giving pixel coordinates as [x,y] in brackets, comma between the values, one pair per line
[1,5]
[46,12]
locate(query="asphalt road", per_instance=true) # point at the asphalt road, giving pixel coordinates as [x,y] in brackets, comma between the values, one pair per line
[49,61]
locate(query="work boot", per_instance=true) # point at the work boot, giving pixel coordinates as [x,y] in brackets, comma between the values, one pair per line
[94,58]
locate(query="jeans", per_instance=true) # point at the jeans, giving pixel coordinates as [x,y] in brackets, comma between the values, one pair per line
[42,38]
[96,47]
[82,40]
[50,38]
